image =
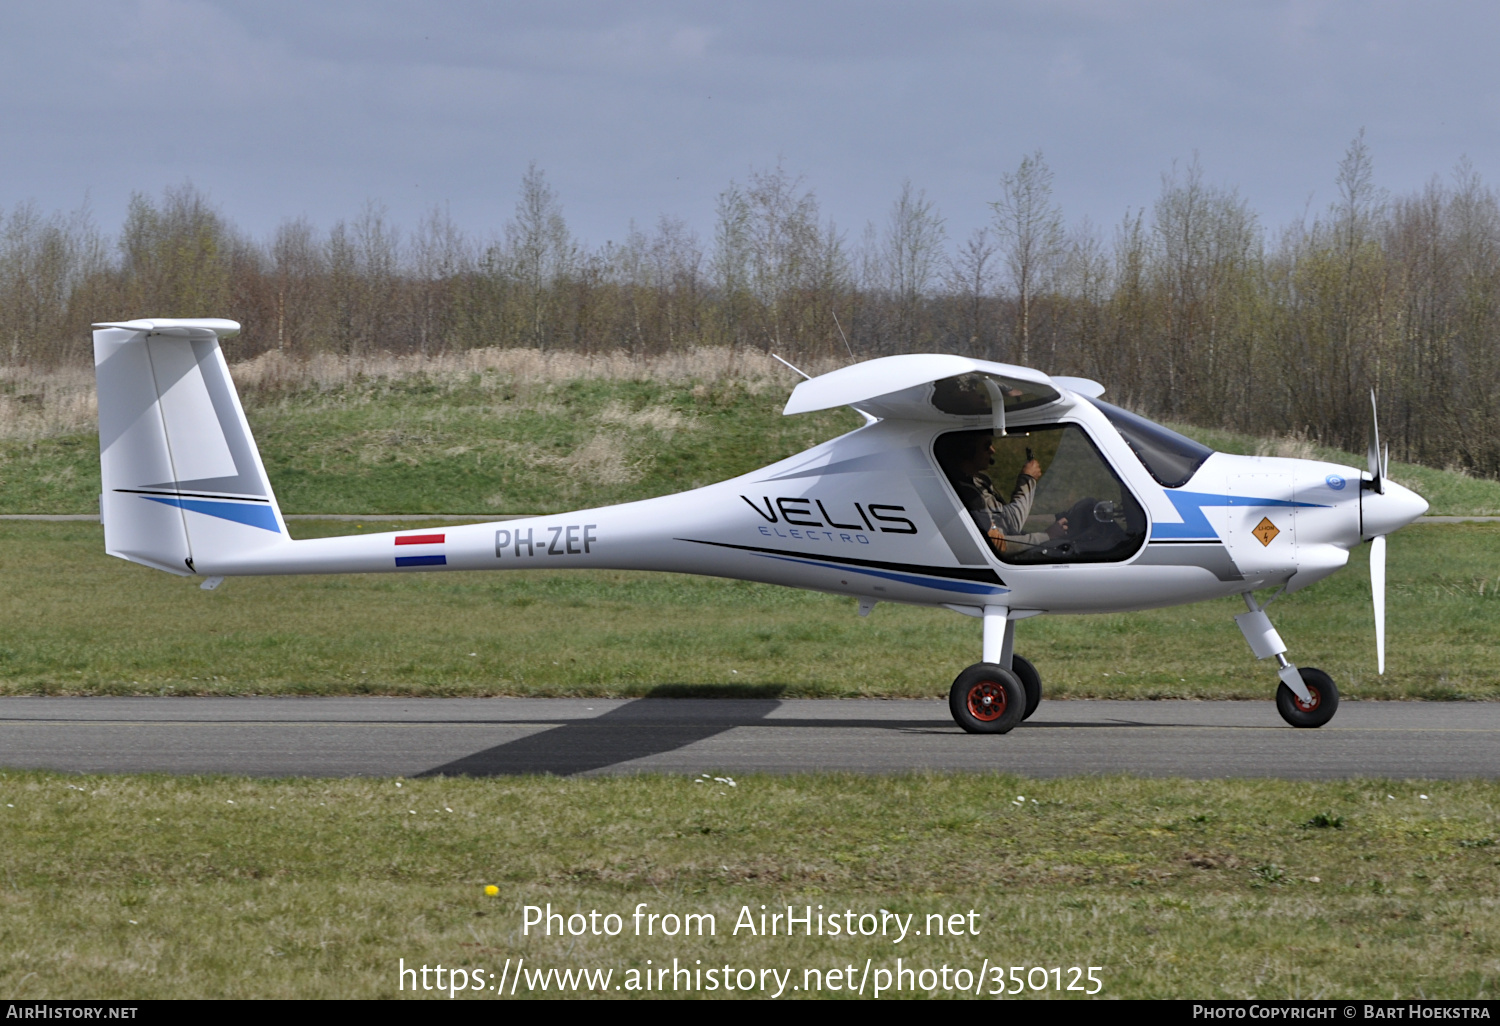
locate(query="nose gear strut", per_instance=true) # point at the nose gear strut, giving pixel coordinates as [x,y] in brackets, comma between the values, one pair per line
[1306,697]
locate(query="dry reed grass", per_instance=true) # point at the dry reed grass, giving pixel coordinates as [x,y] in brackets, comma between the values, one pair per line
[36,403]
[1296,446]
[663,420]
[272,371]
[604,459]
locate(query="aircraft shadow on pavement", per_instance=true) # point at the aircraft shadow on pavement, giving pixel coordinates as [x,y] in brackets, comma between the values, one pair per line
[644,728]
[633,731]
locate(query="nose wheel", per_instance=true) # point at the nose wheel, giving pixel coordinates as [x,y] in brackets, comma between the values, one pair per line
[1322,703]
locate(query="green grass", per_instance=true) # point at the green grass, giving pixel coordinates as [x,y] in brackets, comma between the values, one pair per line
[79,622]
[153,887]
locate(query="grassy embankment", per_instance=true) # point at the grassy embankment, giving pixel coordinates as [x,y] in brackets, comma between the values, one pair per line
[149,887]
[511,432]
[503,431]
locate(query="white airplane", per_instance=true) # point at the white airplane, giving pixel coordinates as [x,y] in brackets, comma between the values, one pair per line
[1108,511]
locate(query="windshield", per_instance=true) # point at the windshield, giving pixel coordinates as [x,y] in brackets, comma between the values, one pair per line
[1171,458]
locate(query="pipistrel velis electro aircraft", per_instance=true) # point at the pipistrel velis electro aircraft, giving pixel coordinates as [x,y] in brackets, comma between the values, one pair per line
[1109,512]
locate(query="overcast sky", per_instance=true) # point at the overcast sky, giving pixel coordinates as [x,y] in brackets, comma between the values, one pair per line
[278,109]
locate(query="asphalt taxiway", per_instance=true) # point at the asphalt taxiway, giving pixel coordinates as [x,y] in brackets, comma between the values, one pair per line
[366,736]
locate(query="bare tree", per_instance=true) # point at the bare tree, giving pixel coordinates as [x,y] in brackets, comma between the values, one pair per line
[441,257]
[540,249]
[297,270]
[731,261]
[1208,253]
[676,264]
[1084,280]
[1032,230]
[178,256]
[783,239]
[771,253]
[914,237]
[1123,358]
[971,281]
[377,246]
[42,258]
[1336,306]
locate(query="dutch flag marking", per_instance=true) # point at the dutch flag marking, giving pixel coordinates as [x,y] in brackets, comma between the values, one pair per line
[421,539]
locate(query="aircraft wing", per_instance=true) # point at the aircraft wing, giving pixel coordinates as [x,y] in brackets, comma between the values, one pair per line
[904,387]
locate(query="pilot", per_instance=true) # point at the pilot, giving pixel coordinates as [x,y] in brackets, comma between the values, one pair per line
[967,456]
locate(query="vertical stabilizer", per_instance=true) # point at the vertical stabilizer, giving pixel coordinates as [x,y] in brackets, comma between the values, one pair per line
[181,474]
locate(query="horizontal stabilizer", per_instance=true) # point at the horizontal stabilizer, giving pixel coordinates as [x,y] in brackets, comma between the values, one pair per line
[201,327]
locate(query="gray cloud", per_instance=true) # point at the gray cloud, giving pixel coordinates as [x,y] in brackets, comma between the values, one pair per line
[278,109]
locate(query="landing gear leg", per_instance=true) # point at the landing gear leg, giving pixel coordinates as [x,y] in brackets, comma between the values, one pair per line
[1000,648]
[1306,697]
[999,635]
[988,698]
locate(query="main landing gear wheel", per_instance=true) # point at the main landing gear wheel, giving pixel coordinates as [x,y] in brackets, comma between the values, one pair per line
[1031,681]
[1325,700]
[987,699]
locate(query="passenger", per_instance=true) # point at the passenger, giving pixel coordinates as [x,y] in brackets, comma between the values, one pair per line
[966,457]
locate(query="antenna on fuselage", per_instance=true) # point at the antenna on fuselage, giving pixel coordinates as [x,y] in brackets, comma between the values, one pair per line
[836,324]
[794,367]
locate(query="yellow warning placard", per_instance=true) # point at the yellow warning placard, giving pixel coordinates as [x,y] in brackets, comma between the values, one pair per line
[1265,531]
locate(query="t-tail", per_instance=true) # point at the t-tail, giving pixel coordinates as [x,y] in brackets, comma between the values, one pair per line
[181,475]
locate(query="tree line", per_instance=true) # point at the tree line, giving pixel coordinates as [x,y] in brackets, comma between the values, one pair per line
[1189,309]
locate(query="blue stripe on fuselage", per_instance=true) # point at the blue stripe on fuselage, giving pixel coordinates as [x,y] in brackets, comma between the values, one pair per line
[1194,524]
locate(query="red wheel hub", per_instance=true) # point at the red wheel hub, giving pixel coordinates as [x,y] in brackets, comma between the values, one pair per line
[987,701]
[1317,699]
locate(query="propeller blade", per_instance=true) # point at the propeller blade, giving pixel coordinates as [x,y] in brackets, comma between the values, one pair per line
[1377,593]
[1377,474]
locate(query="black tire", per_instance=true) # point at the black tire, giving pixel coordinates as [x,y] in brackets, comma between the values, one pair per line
[1325,700]
[987,699]
[1031,681]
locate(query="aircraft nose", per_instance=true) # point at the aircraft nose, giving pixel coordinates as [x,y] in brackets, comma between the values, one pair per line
[1391,511]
